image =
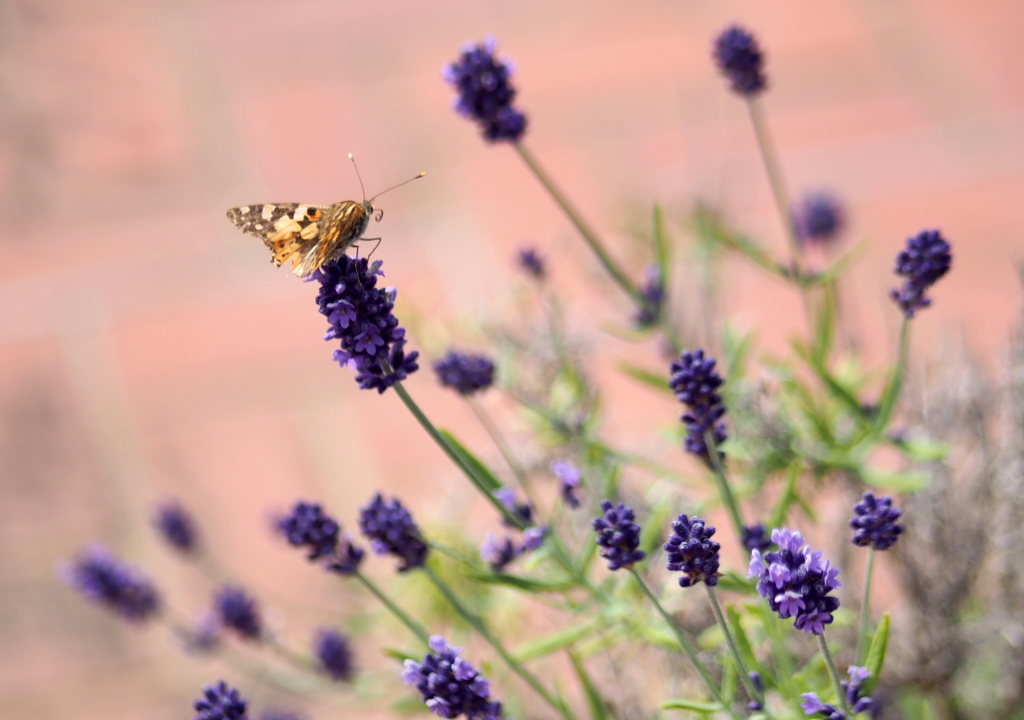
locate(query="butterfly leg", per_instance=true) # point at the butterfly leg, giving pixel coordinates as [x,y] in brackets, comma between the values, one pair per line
[376,242]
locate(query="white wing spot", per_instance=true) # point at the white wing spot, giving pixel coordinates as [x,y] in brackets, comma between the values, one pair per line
[244,210]
[300,213]
[268,212]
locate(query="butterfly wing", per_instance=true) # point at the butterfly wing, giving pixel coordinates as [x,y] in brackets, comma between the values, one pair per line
[290,230]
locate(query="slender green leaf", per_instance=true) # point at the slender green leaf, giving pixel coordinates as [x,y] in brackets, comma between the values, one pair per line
[693,705]
[923,449]
[839,266]
[739,636]
[401,655]
[660,243]
[657,381]
[907,481]
[731,582]
[487,478]
[730,676]
[876,654]
[552,642]
[522,583]
[789,496]
[598,709]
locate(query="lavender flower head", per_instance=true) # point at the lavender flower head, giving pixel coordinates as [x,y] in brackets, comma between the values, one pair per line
[236,610]
[498,554]
[569,477]
[391,530]
[361,318]
[691,551]
[105,580]
[204,636]
[466,373]
[875,522]
[796,581]
[618,536]
[812,705]
[755,537]
[450,686]
[925,259]
[176,527]
[331,650]
[652,301]
[484,91]
[741,61]
[307,525]
[532,263]
[522,510]
[696,384]
[819,218]
[220,702]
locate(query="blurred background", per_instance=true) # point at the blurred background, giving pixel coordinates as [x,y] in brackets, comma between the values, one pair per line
[149,350]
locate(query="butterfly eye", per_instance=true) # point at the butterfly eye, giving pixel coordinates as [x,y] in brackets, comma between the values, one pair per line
[379,215]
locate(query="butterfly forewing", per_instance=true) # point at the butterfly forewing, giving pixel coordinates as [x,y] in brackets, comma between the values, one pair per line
[306,235]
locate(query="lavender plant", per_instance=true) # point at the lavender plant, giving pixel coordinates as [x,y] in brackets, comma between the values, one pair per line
[764,475]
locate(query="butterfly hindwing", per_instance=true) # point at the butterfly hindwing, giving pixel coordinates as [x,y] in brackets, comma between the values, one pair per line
[290,230]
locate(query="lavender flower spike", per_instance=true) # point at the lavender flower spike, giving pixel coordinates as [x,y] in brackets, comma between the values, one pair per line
[332,651]
[819,218]
[569,477]
[307,525]
[104,580]
[691,550]
[618,536]
[739,58]
[361,318]
[468,374]
[450,686]
[925,259]
[236,610]
[812,704]
[875,522]
[391,530]
[177,528]
[696,383]
[220,702]
[485,92]
[796,581]
[532,263]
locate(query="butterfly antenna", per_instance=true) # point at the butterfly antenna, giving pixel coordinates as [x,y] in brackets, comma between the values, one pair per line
[360,177]
[422,174]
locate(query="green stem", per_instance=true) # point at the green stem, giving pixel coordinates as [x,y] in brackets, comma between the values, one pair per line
[895,386]
[772,167]
[514,665]
[685,644]
[414,627]
[836,683]
[452,455]
[722,483]
[865,610]
[499,440]
[559,553]
[740,664]
[588,234]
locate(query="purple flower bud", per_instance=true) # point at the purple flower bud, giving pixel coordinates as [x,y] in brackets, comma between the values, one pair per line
[332,651]
[485,92]
[696,383]
[449,685]
[691,550]
[220,702]
[104,580]
[391,530]
[618,536]
[569,476]
[177,528]
[875,522]
[740,59]
[819,218]
[237,610]
[531,263]
[925,259]
[468,374]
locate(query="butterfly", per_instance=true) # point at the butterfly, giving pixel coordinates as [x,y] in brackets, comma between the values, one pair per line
[309,235]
